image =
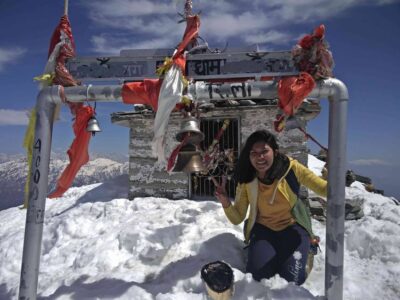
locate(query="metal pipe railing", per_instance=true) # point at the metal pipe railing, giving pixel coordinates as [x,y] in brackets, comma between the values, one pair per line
[337,94]
[330,88]
[45,107]
[99,93]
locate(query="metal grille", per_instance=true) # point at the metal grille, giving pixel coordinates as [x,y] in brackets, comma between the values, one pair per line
[201,185]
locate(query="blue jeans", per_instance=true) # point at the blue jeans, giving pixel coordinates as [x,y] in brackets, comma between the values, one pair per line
[282,252]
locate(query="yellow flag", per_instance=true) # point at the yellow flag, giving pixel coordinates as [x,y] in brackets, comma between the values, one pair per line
[161,70]
[47,78]
[28,145]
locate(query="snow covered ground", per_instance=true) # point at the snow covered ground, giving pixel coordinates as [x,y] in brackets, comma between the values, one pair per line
[98,245]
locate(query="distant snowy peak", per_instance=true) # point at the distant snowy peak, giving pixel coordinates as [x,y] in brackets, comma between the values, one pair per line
[14,170]
[101,169]
[4,157]
[96,169]
[57,155]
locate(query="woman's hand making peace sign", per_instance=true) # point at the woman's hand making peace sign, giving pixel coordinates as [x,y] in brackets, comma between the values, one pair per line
[220,192]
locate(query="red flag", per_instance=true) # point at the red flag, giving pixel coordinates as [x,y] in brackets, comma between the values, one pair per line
[78,152]
[314,60]
[67,50]
[175,152]
[63,26]
[144,92]
[190,35]
[312,54]
[293,90]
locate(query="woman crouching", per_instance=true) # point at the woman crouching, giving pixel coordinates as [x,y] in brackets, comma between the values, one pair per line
[278,230]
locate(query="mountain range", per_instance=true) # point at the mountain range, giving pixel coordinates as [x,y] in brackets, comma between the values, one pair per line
[14,170]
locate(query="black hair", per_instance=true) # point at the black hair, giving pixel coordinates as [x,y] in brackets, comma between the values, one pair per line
[244,170]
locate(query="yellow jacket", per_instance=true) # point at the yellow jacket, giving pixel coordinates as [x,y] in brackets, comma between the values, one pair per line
[247,194]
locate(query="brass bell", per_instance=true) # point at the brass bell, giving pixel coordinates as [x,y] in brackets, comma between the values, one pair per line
[189,160]
[190,127]
[93,125]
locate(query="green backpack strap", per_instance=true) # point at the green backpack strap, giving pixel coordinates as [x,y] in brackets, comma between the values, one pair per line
[300,211]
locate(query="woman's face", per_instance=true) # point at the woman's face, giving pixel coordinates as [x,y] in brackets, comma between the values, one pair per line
[261,158]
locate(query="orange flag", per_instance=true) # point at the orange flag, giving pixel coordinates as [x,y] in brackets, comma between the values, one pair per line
[293,90]
[78,152]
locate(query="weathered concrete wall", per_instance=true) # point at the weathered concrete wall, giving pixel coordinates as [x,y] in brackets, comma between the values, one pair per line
[149,178]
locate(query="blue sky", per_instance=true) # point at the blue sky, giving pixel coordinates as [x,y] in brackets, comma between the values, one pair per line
[363,36]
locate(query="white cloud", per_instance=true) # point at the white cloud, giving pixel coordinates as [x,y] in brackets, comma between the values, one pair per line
[154,23]
[9,55]
[163,26]
[128,8]
[221,26]
[295,11]
[122,23]
[272,37]
[369,162]
[215,5]
[106,44]
[14,117]
[298,11]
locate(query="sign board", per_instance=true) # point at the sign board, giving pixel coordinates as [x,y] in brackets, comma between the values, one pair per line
[136,65]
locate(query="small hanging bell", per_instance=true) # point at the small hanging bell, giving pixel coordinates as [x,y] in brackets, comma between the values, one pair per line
[190,128]
[93,126]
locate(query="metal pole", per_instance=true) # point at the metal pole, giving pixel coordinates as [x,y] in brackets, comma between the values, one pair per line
[336,198]
[337,94]
[47,99]
[66,7]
